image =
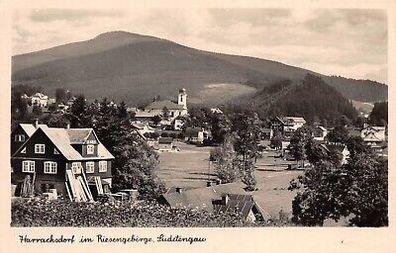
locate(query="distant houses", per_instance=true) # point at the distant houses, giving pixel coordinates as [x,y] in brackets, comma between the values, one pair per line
[39,99]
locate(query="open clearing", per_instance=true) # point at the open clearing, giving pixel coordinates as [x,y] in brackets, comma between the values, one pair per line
[189,168]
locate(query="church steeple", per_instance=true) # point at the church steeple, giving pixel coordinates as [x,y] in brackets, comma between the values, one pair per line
[182,98]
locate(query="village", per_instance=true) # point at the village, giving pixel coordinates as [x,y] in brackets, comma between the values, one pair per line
[72,164]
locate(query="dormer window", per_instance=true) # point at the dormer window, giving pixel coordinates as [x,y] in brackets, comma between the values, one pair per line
[39,148]
[90,149]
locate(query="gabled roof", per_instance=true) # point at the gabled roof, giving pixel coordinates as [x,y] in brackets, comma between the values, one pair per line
[289,120]
[145,114]
[242,203]
[294,119]
[375,128]
[79,135]
[159,105]
[40,95]
[30,128]
[373,133]
[202,198]
[60,137]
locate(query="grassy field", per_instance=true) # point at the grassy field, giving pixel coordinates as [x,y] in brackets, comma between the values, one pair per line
[190,168]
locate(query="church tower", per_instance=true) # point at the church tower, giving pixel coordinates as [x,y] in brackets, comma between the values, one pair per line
[182,98]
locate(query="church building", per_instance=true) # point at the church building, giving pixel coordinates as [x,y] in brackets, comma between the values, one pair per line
[166,109]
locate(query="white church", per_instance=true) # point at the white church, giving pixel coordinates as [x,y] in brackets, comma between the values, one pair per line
[156,108]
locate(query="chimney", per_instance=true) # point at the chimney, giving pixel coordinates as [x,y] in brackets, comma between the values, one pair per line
[68,126]
[36,123]
[224,199]
[179,190]
[209,184]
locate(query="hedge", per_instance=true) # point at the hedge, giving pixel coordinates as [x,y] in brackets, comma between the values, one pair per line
[40,212]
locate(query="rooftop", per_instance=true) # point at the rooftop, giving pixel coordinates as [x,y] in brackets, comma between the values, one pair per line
[159,105]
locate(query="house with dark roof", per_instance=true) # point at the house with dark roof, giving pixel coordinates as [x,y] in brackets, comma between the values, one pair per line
[196,135]
[319,133]
[242,203]
[373,134]
[287,125]
[219,198]
[49,153]
[166,144]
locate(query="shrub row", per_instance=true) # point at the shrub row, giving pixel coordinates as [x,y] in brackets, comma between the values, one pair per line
[39,212]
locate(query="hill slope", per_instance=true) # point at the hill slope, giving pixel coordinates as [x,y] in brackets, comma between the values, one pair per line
[311,98]
[134,68]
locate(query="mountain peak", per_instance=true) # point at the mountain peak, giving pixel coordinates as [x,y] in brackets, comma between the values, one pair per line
[117,35]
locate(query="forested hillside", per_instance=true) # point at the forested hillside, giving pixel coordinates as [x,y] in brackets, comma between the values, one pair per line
[312,98]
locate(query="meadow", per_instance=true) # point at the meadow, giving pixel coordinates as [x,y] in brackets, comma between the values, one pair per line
[190,168]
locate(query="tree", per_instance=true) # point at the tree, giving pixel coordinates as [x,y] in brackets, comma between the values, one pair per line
[135,163]
[276,140]
[156,120]
[298,143]
[58,120]
[220,127]
[60,95]
[135,167]
[18,106]
[247,128]
[338,134]
[379,114]
[356,192]
[79,116]
[225,163]
[165,113]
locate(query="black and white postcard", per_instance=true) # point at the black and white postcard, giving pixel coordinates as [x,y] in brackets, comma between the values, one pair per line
[196,128]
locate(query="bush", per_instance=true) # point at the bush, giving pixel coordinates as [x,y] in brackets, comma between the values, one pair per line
[39,212]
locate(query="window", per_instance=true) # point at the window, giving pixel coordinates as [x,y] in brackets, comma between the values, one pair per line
[56,152]
[23,151]
[76,167]
[90,149]
[19,137]
[102,166]
[50,167]
[90,167]
[39,148]
[28,166]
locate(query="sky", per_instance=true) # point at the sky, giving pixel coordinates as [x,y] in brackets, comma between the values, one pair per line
[346,42]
